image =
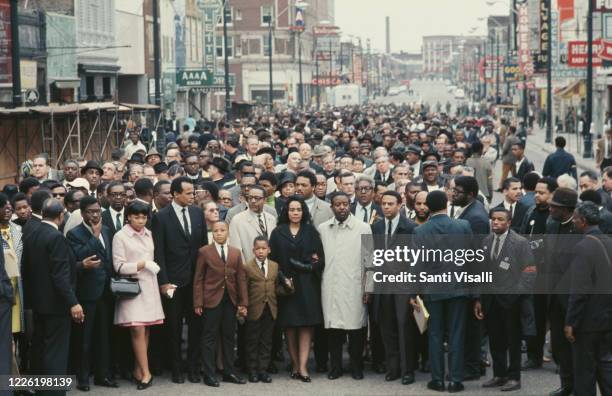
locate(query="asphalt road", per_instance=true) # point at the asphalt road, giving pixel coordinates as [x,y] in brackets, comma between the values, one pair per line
[538,382]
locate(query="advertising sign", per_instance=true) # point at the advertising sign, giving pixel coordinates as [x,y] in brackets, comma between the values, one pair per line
[326,80]
[523,37]
[513,72]
[194,77]
[544,12]
[6,59]
[577,53]
[210,17]
[602,5]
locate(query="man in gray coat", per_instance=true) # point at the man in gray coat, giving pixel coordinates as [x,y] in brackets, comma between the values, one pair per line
[508,159]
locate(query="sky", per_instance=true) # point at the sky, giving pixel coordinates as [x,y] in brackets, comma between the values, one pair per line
[413,19]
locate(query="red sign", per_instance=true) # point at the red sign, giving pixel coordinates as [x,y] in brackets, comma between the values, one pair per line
[326,81]
[6,43]
[577,53]
[606,51]
[602,5]
[523,39]
[325,30]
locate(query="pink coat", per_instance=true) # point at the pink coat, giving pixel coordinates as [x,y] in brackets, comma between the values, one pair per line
[129,248]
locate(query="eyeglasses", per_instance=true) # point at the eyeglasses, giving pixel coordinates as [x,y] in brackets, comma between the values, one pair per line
[365,189]
[457,191]
[253,198]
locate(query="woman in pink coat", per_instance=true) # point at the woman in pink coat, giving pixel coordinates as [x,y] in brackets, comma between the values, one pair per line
[133,255]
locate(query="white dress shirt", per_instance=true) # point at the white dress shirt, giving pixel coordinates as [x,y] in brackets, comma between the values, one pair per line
[518,164]
[265,266]
[114,214]
[510,207]
[178,209]
[225,249]
[359,212]
[394,223]
[502,239]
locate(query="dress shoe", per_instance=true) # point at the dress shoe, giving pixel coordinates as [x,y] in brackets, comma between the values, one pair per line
[304,378]
[408,379]
[436,385]
[144,385]
[563,391]
[511,385]
[106,382]
[494,382]
[272,368]
[357,374]
[193,377]
[321,368]
[265,378]
[334,374]
[391,377]
[253,377]
[531,364]
[177,377]
[211,381]
[454,387]
[234,379]
[83,388]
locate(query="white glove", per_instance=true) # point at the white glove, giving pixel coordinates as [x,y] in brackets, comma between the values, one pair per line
[152,267]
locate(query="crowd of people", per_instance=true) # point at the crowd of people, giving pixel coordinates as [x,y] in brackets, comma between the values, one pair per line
[247,235]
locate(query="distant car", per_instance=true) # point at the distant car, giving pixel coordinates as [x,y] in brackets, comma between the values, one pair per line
[452,88]
[459,94]
[393,91]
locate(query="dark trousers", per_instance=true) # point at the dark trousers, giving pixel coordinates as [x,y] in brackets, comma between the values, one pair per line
[92,341]
[377,347]
[241,348]
[259,341]
[219,321]
[6,345]
[504,329]
[473,343]
[562,351]
[447,316]
[277,340]
[50,346]
[535,344]
[356,341]
[592,352]
[321,341]
[398,330]
[177,308]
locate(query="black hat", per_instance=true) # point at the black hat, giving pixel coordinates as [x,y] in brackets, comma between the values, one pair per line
[222,164]
[286,177]
[92,165]
[160,167]
[137,158]
[413,148]
[266,150]
[564,197]
[427,164]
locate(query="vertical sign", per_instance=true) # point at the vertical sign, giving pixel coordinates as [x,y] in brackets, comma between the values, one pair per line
[210,56]
[554,37]
[544,12]
[523,37]
[6,43]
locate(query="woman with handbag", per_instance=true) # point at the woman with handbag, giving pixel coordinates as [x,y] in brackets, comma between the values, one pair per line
[141,307]
[296,246]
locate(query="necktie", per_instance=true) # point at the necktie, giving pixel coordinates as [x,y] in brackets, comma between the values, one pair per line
[388,232]
[452,213]
[263,269]
[261,225]
[222,254]
[118,222]
[185,224]
[512,211]
[365,214]
[496,247]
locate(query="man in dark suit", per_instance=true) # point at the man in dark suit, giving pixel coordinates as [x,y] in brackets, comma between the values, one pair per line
[605,217]
[392,312]
[364,208]
[215,297]
[522,165]
[178,233]
[6,307]
[511,188]
[507,256]
[447,310]
[49,276]
[588,324]
[472,210]
[559,162]
[383,170]
[114,217]
[37,200]
[91,341]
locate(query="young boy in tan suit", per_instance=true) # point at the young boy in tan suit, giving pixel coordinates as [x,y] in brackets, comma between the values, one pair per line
[264,282]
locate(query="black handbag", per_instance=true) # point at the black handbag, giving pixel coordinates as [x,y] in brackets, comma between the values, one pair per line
[124,286]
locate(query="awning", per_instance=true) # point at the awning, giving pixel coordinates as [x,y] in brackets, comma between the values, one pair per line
[64,83]
[574,88]
[136,106]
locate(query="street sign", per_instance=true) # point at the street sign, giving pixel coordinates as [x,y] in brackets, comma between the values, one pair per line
[566,72]
[219,79]
[194,78]
[577,53]
[32,96]
[325,30]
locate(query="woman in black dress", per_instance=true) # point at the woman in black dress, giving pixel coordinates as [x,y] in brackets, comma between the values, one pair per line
[296,246]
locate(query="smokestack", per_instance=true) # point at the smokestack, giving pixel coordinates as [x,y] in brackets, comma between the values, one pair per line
[388,31]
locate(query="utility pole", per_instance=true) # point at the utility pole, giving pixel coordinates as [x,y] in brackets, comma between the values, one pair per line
[316,56]
[228,99]
[484,69]
[549,81]
[301,89]
[270,88]
[16,55]
[587,153]
[497,96]
[156,57]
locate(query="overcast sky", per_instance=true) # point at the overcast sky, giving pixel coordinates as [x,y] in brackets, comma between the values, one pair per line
[413,19]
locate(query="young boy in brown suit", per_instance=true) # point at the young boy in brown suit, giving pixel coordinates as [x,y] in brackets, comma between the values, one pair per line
[264,282]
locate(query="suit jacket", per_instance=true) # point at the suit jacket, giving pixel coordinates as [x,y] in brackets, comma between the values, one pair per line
[587,310]
[378,177]
[477,216]
[49,272]
[30,226]
[520,210]
[606,199]
[321,212]
[176,254]
[525,167]
[262,289]
[605,221]
[6,287]
[244,228]
[213,276]
[91,283]
[375,215]
[600,151]
[243,207]
[109,222]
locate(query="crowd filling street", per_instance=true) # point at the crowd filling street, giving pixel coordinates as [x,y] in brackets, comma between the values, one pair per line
[232,256]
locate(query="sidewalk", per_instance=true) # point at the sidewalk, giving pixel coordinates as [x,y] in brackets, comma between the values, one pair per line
[537,138]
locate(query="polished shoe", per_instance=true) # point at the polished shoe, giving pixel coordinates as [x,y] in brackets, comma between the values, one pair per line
[272,368]
[83,388]
[295,375]
[106,382]
[211,381]
[563,391]
[304,378]
[177,377]
[454,387]
[408,379]
[194,377]
[265,378]
[334,374]
[511,385]
[253,377]
[531,364]
[357,374]
[321,369]
[234,379]
[379,368]
[495,382]
[391,377]
[436,385]
[144,385]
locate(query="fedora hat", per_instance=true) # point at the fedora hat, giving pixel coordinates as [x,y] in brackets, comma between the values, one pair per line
[91,164]
[564,197]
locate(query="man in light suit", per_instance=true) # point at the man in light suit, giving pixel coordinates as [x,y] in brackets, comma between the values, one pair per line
[304,186]
[245,185]
[364,208]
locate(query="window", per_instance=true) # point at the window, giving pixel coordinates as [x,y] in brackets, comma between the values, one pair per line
[266,45]
[106,86]
[219,46]
[238,15]
[90,85]
[229,17]
[266,15]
